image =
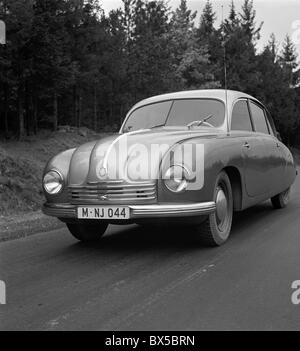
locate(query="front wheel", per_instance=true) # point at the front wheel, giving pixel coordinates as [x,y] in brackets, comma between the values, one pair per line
[87,232]
[216,228]
[281,200]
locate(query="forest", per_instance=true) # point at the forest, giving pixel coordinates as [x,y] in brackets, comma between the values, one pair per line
[67,62]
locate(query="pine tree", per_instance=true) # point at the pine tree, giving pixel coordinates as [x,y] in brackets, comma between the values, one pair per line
[182,35]
[288,60]
[247,19]
[233,20]
[191,58]
[17,64]
[289,53]
[51,62]
[272,46]
[149,50]
[207,20]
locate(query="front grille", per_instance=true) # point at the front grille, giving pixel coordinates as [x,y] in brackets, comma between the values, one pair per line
[113,193]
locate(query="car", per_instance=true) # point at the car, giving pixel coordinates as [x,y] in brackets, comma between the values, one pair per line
[186,159]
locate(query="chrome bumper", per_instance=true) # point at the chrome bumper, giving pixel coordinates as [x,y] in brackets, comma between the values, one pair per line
[139,211]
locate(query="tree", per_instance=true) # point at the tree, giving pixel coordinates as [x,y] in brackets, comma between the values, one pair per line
[190,56]
[207,21]
[182,32]
[272,46]
[67,62]
[16,66]
[51,63]
[288,60]
[148,50]
[247,21]
[240,35]
[233,20]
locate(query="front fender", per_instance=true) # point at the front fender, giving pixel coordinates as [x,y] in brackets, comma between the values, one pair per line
[61,163]
[219,153]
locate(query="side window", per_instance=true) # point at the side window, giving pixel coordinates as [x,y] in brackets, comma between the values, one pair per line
[240,117]
[269,127]
[259,118]
[271,124]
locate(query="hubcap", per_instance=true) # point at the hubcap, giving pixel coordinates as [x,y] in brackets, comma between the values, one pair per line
[221,206]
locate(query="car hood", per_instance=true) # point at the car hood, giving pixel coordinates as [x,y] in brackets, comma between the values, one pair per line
[107,158]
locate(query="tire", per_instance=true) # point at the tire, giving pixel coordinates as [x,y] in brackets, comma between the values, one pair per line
[87,232]
[281,200]
[215,230]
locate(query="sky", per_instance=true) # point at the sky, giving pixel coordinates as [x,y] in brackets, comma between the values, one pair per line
[279,16]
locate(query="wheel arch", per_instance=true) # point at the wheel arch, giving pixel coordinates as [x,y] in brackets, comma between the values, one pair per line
[236,185]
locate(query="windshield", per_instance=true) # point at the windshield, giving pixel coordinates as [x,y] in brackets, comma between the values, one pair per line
[176,113]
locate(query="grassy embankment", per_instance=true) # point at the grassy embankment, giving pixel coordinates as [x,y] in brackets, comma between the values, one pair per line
[22,164]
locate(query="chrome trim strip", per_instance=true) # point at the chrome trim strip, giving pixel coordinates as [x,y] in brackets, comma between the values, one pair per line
[173,210]
[113,185]
[60,210]
[138,211]
[111,181]
[114,194]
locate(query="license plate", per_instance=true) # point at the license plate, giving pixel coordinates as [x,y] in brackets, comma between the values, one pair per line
[113,212]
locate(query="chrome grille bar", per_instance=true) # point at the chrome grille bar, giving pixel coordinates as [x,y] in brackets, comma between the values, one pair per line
[111,192]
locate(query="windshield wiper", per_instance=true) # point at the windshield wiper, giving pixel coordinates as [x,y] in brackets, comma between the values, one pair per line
[200,122]
[158,126]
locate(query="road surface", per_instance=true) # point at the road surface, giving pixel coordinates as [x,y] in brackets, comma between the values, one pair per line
[135,280]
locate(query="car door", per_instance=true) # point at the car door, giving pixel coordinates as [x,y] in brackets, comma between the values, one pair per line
[273,167]
[278,162]
[252,149]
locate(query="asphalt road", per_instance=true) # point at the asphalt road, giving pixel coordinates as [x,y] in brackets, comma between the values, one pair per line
[135,280]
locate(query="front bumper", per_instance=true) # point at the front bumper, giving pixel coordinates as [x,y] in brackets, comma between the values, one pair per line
[67,211]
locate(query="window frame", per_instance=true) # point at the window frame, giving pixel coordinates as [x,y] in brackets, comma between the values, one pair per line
[261,106]
[172,100]
[250,116]
[270,119]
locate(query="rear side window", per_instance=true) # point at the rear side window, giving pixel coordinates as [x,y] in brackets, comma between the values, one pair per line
[259,118]
[241,117]
[271,124]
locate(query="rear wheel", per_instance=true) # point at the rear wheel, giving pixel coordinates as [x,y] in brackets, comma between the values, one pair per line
[281,200]
[215,230]
[87,232]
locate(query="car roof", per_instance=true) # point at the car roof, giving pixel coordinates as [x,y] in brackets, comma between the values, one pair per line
[219,94]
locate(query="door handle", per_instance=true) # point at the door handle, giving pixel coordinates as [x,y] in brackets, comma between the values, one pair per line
[247,145]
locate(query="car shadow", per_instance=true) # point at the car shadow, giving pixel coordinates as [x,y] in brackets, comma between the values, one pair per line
[135,238]
[251,217]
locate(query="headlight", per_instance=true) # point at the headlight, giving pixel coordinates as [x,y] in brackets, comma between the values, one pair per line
[53,182]
[176,178]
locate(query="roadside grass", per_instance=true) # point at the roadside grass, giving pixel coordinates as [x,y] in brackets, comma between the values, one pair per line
[22,164]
